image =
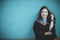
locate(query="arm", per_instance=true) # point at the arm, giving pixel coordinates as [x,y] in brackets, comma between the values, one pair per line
[53,29]
[52,25]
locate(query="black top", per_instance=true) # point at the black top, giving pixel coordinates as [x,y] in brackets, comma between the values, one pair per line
[40,29]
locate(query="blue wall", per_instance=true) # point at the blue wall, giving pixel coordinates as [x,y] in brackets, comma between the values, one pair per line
[18,16]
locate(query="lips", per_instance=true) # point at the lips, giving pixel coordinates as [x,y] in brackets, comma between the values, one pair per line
[44,15]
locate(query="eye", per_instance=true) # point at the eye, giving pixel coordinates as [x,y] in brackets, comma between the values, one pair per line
[42,11]
[46,12]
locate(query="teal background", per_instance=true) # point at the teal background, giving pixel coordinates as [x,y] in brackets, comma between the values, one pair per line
[17,17]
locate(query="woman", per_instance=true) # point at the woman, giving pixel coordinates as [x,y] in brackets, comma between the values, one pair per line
[44,26]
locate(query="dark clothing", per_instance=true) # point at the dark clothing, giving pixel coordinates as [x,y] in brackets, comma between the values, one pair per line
[40,29]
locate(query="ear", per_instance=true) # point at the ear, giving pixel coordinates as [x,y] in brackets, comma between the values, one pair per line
[51,24]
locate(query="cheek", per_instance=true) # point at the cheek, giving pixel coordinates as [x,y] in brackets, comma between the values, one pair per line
[42,14]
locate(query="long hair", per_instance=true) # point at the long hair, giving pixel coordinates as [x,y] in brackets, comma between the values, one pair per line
[48,17]
[49,13]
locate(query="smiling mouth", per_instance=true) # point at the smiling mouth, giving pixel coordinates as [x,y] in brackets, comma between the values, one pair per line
[44,15]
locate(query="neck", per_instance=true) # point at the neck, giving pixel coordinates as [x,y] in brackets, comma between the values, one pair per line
[44,20]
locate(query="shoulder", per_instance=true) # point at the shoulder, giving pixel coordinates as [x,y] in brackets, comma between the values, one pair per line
[36,22]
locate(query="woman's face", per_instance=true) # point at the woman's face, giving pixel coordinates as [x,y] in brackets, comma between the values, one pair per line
[44,13]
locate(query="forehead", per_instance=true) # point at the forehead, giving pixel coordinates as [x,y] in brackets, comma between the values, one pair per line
[44,9]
